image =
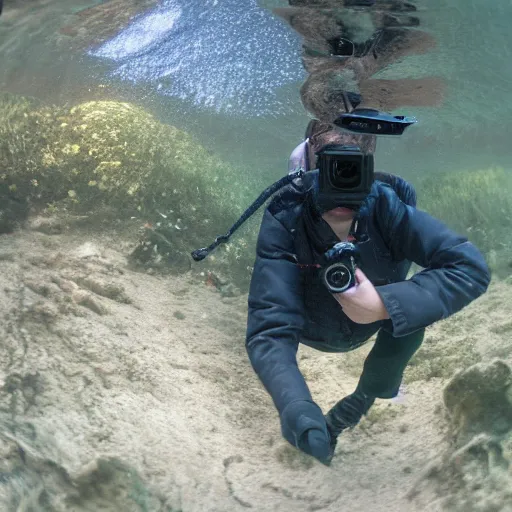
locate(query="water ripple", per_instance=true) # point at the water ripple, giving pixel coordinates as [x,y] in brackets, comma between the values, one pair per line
[231,56]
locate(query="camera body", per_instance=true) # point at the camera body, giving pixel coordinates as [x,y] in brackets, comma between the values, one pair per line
[346,175]
[339,272]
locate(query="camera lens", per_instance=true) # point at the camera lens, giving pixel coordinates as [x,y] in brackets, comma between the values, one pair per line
[338,277]
[345,174]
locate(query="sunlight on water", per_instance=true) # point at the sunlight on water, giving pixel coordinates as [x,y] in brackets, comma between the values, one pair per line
[141,35]
[237,55]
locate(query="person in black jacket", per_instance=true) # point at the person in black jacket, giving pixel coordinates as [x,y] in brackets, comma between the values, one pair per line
[289,304]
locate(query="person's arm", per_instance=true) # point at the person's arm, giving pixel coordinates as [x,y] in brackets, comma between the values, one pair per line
[275,322]
[276,315]
[455,272]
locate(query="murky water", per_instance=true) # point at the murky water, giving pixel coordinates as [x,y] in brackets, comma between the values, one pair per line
[229,73]
[470,129]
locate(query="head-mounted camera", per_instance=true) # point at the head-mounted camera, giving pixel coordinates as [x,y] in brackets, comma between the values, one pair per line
[346,175]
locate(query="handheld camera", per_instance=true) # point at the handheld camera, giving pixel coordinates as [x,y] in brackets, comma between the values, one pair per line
[339,274]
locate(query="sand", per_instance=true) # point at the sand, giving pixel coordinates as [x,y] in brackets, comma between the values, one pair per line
[126,391]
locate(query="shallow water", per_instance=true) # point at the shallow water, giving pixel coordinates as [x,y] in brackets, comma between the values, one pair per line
[245,102]
[229,73]
[236,98]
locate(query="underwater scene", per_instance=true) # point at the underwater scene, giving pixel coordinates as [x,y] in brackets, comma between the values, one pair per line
[255,255]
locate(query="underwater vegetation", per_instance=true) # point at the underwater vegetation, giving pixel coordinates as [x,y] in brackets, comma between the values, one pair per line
[117,157]
[104,153]
[476,204]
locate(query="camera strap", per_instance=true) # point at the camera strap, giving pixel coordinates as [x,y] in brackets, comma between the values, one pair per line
[200,254]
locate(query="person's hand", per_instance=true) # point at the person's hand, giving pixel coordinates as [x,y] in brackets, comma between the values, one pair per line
[361,303]
[303,426]
[317,443]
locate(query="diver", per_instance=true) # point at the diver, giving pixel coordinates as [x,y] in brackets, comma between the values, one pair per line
[290,302]
[334,250]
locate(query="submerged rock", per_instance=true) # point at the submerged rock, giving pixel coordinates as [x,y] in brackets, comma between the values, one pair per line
[480,399]
[47,225]
[32,480]
[473,474]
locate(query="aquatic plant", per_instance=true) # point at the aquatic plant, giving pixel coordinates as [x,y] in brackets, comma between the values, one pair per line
[117,156]
[109,152]
[477,204]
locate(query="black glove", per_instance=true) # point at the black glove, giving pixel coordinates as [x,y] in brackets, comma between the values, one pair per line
[303,426]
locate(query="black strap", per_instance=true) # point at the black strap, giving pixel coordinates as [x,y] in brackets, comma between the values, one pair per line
[200,254]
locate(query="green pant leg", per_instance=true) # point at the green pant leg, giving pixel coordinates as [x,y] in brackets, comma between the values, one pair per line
[386,362]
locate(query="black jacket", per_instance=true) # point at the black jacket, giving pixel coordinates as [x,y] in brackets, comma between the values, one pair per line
[288,303]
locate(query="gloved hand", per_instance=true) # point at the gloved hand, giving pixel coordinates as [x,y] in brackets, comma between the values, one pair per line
[303,426]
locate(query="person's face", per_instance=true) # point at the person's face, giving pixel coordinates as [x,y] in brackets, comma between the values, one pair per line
[337,215]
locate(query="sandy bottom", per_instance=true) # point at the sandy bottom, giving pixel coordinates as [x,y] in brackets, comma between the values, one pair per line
[123,391]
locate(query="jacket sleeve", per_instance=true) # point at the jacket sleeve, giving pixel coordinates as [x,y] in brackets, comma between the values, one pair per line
[455,272]
[276,315]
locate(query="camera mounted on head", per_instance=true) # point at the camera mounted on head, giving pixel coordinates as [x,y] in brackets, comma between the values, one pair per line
[345,178]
